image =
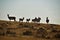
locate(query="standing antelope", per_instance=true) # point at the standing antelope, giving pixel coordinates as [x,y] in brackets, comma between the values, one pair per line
[21,19]
[38,20]
[28,20]
[11,17]
[47,20]
[34,20]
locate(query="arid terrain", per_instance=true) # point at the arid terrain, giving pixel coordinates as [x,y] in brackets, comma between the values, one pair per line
[13,30]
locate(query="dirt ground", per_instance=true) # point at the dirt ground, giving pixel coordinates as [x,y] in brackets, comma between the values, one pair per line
[24,38]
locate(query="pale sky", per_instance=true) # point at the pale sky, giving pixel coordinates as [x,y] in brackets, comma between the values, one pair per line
[31,9]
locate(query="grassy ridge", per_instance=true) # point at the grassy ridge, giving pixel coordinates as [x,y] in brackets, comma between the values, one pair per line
[20,27]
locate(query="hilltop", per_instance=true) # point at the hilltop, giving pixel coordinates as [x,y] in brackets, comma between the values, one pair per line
[34,30]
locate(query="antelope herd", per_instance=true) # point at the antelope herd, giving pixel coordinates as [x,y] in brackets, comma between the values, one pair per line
[27,20]
[27,30]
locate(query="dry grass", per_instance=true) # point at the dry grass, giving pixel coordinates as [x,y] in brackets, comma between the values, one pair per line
[19,28]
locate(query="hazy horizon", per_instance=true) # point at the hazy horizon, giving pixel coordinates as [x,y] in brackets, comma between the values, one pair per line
[31,9]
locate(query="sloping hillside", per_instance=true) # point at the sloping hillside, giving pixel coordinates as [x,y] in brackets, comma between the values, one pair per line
[13,30]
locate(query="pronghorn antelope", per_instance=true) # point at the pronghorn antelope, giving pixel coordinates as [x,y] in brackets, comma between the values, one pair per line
[21,19]
[36,19]
[47,20]
[28,20]
[11,17]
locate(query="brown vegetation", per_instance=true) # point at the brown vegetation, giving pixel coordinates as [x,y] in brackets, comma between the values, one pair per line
[10,30]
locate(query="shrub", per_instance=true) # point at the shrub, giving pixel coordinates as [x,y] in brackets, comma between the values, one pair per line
[27,33]
[57,36]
